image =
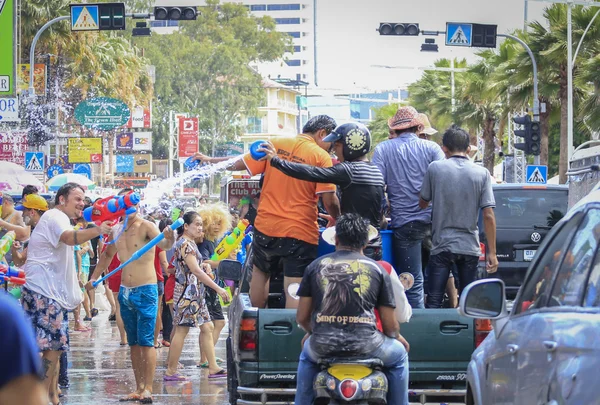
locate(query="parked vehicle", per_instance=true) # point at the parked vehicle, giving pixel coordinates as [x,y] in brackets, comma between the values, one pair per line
[547,350]
[525,214]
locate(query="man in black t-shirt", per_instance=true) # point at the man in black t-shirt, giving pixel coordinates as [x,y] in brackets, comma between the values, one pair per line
[338,295]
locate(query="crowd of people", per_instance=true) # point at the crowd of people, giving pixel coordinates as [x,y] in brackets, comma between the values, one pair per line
[414,181]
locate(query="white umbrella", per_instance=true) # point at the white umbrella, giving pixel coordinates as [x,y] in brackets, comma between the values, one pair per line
[57,182]
[15,175]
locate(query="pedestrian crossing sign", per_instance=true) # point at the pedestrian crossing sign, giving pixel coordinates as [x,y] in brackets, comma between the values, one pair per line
[536,174]
[459,34]
[84,17]
[34,161]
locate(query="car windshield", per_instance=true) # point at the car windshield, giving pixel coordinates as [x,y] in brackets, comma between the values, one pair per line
[529,208]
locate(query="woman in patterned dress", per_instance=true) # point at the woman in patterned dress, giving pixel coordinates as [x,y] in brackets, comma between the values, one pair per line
[189,305]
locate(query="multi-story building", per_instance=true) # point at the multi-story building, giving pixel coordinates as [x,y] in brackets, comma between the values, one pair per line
[295,17]
[278,117]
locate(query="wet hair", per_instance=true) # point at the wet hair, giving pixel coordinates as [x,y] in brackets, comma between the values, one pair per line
[352,231]
[65,190]
[164,223]
[319,122]
[188,218]
[29,189]
[456,139]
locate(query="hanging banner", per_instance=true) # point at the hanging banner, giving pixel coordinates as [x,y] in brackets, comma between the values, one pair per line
[140,118]
[39,78]
[188,137]
[142,163]
[7,48]
[85,150]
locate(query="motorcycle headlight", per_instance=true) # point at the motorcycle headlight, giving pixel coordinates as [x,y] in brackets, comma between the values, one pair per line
[331,384]
[366,384]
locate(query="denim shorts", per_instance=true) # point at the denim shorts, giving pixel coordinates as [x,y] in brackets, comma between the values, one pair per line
[139,306]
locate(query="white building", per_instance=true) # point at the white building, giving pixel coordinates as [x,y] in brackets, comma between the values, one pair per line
[296,17]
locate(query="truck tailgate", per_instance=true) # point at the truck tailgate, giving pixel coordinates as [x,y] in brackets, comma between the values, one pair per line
[279,344]
[441,343]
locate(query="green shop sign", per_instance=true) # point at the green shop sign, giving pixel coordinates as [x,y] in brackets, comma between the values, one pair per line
[102,113]
[7,48]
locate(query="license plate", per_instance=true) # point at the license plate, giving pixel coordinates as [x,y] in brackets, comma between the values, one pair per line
[528,255]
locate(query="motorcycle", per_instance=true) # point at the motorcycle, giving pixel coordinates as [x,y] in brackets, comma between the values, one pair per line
[348,381]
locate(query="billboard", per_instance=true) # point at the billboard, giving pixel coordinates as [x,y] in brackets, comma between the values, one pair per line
[142,141]
[140,118]
[7,48]
[124,164]
[142,163]
[124,141]
[85,150]
[229,149]
[39,78]
[188,137]
[136,183]
[13,146]
[242,192]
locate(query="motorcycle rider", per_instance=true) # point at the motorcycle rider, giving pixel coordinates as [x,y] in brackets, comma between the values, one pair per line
[361,182]
[338,295]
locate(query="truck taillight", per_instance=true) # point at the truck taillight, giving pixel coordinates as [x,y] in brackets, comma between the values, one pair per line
[482,328]
[482,256]
[248,335]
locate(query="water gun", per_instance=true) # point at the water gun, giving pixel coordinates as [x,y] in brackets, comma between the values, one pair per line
[231,241]
[6,243]
[11,275]
[111,208]
[141,251]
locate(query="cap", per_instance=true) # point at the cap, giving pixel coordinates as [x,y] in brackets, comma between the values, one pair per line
[427,128]
[33,202]
[328,234]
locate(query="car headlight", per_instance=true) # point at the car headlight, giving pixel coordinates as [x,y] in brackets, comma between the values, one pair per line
[366,384]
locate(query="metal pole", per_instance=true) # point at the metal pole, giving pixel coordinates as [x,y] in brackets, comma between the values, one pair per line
[452,83]
[569,84]
[525,16]
[32,51]
[171,157]
[536,101]
[583,36]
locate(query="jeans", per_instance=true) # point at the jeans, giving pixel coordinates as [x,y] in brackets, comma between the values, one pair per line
[407,243]
[440,266]
[395,363]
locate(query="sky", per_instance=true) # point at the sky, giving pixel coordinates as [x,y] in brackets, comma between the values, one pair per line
[348,43]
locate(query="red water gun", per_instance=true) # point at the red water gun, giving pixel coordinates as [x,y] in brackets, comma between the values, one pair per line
[111,208]
[11,275]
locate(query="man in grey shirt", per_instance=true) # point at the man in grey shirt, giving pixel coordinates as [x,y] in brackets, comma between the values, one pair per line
[403,161]
[457,189]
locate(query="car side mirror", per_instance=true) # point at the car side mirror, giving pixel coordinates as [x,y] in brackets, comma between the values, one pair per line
[484,299]
[230,270]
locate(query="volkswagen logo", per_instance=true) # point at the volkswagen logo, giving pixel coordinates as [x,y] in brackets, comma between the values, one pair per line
[536,237]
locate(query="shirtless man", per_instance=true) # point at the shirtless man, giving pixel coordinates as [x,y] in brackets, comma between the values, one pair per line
[138,296]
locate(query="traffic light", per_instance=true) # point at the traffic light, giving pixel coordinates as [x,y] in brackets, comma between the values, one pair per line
[530,133]
[111,16]
[175,13]
[535,138]
[407,29]
[484,36]
[141,30]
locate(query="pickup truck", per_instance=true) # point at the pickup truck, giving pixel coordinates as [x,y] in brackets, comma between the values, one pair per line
[263,348]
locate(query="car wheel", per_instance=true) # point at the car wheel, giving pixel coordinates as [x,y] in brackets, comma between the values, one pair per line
[232,382]
[470,400]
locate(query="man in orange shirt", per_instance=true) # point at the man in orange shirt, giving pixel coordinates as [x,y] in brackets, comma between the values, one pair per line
[285,229]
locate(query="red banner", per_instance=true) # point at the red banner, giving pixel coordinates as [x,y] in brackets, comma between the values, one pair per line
[140,118]
[188,137]
[13,146]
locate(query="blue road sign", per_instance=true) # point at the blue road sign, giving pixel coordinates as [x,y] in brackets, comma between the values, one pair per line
[84,17]
[536,174]
[34,161]
[83,169]
[459,34]
[54,170]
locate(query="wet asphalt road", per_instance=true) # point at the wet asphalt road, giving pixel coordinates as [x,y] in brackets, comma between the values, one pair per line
[100,370]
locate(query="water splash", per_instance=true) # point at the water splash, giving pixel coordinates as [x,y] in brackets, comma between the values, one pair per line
[160,194]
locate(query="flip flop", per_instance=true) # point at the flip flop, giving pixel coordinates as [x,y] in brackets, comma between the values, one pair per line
[203,365]
[219,374]
[158,346]
[220,360]
[146,399]
[130,398]
[174,377]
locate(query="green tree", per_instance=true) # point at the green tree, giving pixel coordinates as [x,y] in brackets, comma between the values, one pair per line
[204,69]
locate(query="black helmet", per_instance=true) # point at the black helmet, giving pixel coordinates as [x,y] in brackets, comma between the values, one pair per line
[355,137]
